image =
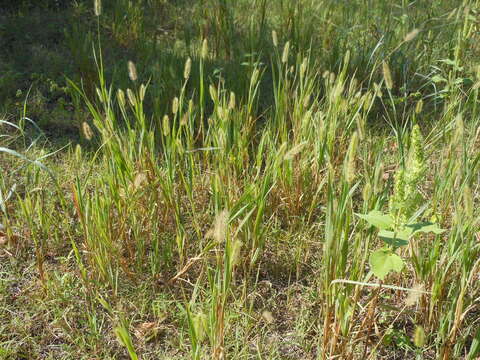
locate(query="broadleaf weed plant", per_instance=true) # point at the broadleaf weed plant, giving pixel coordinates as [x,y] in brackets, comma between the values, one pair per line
[398,227]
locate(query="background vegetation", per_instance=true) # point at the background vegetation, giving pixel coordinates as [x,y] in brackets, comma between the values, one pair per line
[191,179]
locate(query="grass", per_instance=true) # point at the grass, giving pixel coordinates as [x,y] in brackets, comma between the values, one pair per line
[189,184]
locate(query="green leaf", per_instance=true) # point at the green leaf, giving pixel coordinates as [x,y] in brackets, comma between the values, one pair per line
[397,239]
[425,227]
[377,219]
[383,261]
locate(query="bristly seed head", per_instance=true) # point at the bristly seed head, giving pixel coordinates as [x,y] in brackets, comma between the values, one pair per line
[274,38]
[166,125]
[121,97]
[131,97]
[204,52]
[188,68]
[411,35]
[219,230]
[286,50]
[97,7]
[142,91]
[387,75]
[350,159]
[175,105]
[419,107]
[132,71]
[87,131]
[231,103]
[419,337]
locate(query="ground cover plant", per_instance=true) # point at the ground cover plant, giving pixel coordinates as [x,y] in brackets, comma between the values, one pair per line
[250,179]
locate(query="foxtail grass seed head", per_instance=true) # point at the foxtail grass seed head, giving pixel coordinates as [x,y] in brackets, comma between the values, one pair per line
[219,230]
[352,87]
[142,91]
[379,178]
[419,107]
[131,97]
[419,337]
[204,52]
[121,97]
[187,69]
[411,35]
[332,77]
[175,105]
[360,122]
[139,180]
[231,103]
[166,125]
[387,75]
[286,50]
[236,250]
[87,131]
[274,38]
[294,151]
[346,58]
[78,154]
[350,160]
[367,192]
[303,67]
[268,317]
[132,71]
[97,7]
[368,100]
[414,296]
[337,91]
[190,106]
[321,125]
[200,324]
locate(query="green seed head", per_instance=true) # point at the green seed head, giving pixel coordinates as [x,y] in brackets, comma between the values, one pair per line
[350,159]
[419,338]
[97,7]
[204,52]
[286,50]
[188,68]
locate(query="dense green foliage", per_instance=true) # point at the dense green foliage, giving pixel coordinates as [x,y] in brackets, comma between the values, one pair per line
[250,179]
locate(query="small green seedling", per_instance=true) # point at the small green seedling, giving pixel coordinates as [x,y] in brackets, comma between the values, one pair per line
[395,229]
